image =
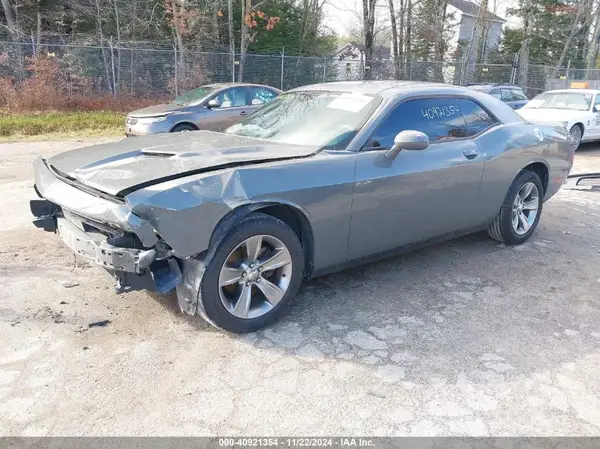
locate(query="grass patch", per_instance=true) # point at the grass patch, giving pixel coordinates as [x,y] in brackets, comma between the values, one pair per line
[57,124]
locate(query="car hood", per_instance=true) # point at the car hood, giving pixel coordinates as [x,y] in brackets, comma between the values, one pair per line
[549,115]
[157,110]
[121,167]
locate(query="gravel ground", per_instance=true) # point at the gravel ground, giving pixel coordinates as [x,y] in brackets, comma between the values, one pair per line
[464,338]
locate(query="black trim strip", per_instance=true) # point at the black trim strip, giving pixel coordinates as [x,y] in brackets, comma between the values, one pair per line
[80,186]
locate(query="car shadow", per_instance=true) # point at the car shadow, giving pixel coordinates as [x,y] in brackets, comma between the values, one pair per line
[467,305]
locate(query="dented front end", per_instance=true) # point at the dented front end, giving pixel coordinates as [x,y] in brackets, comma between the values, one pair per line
[103,229]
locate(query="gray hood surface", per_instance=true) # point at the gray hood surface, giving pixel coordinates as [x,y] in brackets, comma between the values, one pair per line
[136,162]
[157,110]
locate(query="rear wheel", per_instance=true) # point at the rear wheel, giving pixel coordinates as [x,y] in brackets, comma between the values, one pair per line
[521,210]
[253,276]
[183,127]
[576,134]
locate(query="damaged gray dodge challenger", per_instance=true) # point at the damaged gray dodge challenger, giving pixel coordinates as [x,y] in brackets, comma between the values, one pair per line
[323,177]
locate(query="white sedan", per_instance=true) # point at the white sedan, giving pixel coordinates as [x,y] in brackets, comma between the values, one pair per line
[578,110]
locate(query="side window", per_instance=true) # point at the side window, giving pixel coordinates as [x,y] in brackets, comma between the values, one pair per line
[232,98]
[476,118]
[439,118]
[261,95]
[507,95]
[518,94]
[597,102]
[496,93]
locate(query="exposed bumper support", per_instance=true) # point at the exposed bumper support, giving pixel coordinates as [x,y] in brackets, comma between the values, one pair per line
[101,252]
[132,269]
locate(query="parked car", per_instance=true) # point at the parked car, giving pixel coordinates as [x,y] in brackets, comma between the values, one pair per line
[574,109]
[210,107]
[321,178]
[508,93]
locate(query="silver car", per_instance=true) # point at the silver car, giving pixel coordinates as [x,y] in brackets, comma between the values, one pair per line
[211,107]
[323,177]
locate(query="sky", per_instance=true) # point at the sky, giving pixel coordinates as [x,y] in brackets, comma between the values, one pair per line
[342,16]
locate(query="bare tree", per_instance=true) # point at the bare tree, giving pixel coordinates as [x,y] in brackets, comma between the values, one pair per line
[38,22]
[408,38]
[368,34]
[396,42]
[482,18]
[525,43]
[592,56]
[439,20]
[231,37]
[101,39]
[584,8]
[117,77]
[11,22]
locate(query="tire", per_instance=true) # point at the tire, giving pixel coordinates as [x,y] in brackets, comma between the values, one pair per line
[577,133]
[502,228]
[183,127]
[219,303]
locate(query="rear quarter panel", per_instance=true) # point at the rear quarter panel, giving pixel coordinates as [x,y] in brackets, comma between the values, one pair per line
[510,148]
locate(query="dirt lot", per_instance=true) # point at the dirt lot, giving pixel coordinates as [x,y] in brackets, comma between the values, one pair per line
[465,338]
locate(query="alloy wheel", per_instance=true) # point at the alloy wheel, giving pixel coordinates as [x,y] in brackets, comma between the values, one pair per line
[525,208]
[576,134]
[255,276]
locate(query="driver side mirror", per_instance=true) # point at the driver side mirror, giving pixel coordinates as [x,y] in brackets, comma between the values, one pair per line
[214,103]
[407,140]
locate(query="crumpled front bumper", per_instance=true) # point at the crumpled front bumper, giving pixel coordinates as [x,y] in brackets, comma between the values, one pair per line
[84,222]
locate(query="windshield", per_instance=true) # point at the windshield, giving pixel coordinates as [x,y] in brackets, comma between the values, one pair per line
[193,97]
[576,101]
[315,118]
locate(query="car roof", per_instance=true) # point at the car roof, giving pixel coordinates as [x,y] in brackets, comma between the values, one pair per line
[387,88]
[585,91]
[493,85]
[230,84]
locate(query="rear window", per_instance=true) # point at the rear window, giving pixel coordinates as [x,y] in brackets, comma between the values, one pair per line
[480,88]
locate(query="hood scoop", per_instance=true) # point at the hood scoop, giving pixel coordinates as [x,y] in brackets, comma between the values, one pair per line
[158,152]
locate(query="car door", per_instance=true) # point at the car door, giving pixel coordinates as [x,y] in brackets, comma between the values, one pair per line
[509,98]
[234,106]
[421,194]
[259,96]
[519,98]
[496,93]
[593,129]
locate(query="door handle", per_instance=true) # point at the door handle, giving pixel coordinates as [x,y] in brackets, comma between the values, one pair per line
[243,113]
[471,154]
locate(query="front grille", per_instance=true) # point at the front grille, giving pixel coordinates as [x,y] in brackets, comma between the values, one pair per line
[131,121]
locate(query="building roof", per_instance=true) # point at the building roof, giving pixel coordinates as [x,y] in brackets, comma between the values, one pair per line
[473,10]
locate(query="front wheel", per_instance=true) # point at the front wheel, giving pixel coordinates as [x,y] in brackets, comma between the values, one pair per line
[183,127]
[253,276]
[520,213]
[576,134]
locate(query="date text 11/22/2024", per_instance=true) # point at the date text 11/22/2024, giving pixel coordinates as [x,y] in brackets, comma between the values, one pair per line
[295,442]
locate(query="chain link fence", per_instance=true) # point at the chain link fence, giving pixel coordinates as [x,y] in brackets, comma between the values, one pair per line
[138,69]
